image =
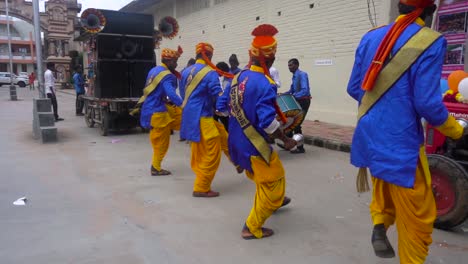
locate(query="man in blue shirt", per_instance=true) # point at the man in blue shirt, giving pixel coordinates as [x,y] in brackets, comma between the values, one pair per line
[78,83]
[300,89]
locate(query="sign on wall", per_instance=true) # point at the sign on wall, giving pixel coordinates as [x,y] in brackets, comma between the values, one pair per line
[452,22]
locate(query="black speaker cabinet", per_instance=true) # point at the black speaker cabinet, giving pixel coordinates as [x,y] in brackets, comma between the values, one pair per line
[119,79]
[124,48]
[128,23]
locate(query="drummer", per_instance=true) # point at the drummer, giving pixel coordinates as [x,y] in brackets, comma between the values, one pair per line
[252,99]
[300,89]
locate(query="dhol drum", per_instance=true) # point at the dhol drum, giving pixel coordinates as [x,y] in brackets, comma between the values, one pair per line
[292,110]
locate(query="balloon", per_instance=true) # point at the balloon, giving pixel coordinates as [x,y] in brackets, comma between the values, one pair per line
[455,78]
[443,85]
[463,88]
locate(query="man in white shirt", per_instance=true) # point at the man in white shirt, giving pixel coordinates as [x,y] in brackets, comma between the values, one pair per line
[275,76]
[49,81]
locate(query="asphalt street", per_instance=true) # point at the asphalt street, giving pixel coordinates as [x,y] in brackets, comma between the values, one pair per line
[91,199]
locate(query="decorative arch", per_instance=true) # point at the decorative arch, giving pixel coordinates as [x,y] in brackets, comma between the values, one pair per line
[25,18]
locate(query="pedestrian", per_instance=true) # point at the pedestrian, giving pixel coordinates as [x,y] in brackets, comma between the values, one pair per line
[252,122]
[274,74]
[300,89]
[79,84]
[157,113]
[201,90]
[49,82]
[234,63]
[395,80]
[225,83]
[32,78]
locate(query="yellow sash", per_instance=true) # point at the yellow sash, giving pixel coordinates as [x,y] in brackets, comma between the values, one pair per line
[148,90]
[397,66]
[250,132]
[194,83]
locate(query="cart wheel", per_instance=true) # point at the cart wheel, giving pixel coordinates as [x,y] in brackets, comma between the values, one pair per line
[104,128]
[450,187]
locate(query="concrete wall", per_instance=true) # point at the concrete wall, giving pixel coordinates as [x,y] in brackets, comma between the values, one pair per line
[312,31]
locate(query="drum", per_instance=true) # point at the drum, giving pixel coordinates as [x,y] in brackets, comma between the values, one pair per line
[292,110]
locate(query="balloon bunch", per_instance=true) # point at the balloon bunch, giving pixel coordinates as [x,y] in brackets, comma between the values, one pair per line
[457,87]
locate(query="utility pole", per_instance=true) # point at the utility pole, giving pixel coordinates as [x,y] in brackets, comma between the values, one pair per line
[38,41]
[43,117]
[13,94]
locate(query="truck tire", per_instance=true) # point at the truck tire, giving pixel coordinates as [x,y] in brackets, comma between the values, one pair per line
[450,187]
[105,121]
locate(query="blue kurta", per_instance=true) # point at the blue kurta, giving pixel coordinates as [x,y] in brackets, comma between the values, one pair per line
[156,101]
[388,138]
[201,103]
[258,105]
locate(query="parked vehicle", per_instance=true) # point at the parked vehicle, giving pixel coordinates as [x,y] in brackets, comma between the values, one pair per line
[23,74]
[5,79]
[448,162]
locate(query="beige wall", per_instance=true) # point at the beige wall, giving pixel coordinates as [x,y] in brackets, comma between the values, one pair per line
[330,30]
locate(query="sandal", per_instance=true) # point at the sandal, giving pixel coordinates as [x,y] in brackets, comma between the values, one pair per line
[155,172]
[209,194]
[266,232]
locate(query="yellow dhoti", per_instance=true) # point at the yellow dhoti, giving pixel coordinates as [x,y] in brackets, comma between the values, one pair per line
[413,211]
[160,134]
[271,188]
[206,154]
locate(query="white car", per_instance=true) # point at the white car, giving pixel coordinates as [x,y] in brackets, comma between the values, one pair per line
[5,79]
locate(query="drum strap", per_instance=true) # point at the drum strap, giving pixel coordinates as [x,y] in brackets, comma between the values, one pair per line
[257,140]
[193,83]
[397,66]
[148,90]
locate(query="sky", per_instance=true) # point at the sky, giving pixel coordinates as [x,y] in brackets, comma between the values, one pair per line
[100,4]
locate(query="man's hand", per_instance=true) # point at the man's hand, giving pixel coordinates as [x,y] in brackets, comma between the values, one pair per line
[222,114]
[289,143]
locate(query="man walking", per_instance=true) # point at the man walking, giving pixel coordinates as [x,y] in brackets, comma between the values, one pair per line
[49,82]
[301,91]
[78,83]
[395,80]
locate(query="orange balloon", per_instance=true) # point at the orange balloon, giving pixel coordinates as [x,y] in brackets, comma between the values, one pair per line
[455,78]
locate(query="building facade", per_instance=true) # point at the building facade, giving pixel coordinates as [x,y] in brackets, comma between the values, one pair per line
[22,46]
[321,34]
[59,26]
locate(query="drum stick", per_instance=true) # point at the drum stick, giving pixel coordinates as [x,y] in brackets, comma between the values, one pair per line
[280,114]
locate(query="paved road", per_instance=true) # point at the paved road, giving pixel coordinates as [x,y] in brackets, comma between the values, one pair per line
[92,201]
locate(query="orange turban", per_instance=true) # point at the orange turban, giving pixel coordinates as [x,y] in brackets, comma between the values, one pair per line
[418,3]
[264,44]
[171,54]
[204,47]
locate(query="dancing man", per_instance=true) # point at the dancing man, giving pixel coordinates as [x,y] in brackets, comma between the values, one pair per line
[158,113]
[253,119]
[395,79]
[201,88]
